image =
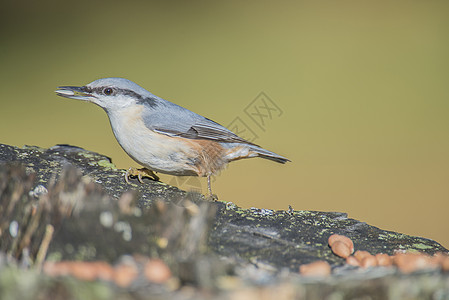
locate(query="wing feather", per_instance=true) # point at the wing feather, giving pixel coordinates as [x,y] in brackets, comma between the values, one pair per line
[173,120]
[208,131]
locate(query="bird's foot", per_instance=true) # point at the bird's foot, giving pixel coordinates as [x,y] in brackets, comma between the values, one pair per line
[140,173]
[212,197]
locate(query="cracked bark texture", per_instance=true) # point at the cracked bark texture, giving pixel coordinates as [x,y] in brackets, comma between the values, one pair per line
[203,242]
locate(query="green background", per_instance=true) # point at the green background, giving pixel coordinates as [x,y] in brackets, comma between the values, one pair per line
[363,87]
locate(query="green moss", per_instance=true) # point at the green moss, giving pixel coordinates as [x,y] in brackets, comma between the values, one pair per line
[106,164]
[391,235]
[422,246]
[382,236]
[53,164]
[86,154]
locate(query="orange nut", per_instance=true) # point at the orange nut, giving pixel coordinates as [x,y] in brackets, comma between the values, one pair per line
[411,262]
[441,259]
[103,270]
[157,271]
[368,261]
[351,260]
[124,274]
[445,264]
[56,268]
[84,270]
[337,237]
[317,268]
[341,249]
[360,255]
[384,259]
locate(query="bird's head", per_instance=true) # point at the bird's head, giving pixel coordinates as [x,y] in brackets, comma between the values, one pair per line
[109,93]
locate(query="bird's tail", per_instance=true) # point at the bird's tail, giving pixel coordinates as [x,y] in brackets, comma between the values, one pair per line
[263,153]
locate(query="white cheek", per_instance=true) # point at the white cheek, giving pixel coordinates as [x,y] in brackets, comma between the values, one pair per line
[121,103]
[114,103]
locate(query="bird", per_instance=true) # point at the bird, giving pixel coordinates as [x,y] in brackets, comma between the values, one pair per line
[163,136]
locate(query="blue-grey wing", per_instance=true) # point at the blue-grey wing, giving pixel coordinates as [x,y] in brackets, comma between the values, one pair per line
[173,120]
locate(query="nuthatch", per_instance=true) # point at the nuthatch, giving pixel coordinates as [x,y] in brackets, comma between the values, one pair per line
[162,136]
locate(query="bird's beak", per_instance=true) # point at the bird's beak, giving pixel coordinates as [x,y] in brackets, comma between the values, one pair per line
[74,92]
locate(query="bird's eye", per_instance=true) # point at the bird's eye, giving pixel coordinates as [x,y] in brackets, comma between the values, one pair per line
[107,91]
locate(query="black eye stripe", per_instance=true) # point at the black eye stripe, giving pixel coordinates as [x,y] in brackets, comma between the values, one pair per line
[119,91]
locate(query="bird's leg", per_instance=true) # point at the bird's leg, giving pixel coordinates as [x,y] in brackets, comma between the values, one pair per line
[208,185]
[209,188]
[143,172]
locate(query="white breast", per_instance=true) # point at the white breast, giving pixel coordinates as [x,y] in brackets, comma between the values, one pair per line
[155,151]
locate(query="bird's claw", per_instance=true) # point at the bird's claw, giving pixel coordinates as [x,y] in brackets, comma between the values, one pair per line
[212,198]
[140,173]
